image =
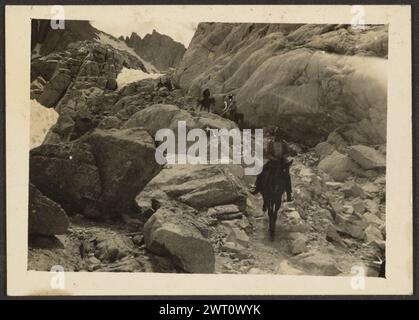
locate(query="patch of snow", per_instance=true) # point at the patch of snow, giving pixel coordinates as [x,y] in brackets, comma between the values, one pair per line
[42,119]
[127,76]
[121,45]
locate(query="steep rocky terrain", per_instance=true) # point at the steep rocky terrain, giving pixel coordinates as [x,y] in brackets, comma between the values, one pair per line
[159,49]
[329,77]
[100,202]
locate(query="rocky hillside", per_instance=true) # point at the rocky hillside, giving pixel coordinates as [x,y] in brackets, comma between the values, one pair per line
[84,65]
[100,202]
[327,77]
[159,49]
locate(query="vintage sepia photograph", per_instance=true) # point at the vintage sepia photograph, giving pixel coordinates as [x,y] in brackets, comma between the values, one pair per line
[208,147]
[99,201]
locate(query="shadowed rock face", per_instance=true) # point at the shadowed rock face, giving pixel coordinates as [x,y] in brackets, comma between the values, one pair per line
[325,76]
[160,50]
[45,216]
[126,163]
[66,173]
[98,175]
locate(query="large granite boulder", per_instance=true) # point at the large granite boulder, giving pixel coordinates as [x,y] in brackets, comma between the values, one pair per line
[66,173]
[160,116]
[201,186]
[181,237]
[126,162]
[338,166]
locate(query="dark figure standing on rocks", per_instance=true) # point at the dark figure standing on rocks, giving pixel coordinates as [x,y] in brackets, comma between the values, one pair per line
[274,181]
[206,102]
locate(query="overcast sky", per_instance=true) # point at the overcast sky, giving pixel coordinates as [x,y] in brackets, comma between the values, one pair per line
[179,31]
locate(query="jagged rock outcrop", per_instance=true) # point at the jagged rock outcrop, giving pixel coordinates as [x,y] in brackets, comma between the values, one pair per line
[88,63]
[159,49]
[77,83]
[327,77]
[82,52]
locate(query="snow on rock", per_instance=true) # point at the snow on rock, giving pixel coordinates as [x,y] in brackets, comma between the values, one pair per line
[121,45]
[42,119]
[127,76]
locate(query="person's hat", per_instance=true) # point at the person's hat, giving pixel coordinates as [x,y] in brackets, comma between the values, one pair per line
[276,149]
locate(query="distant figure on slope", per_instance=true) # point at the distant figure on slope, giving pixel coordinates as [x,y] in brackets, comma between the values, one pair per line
[229,106]
[206,102]
[230,110]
